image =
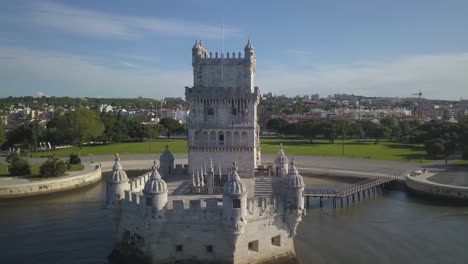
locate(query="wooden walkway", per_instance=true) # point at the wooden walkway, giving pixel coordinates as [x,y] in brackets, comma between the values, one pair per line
[354,191]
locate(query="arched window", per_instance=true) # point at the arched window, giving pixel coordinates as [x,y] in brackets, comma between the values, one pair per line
[210,111]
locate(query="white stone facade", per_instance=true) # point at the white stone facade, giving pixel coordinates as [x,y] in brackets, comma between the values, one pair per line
[223,101]
[212,216]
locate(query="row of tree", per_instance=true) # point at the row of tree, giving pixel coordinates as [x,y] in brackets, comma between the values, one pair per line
[439,137]
[85,125]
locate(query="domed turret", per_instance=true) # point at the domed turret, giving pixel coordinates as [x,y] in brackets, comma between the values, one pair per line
[249,45]
[293,190]
[235,204]
[155,190]
[249,51]
[234,185]
[166,163]
[117,182]
[281,162]
[293,179]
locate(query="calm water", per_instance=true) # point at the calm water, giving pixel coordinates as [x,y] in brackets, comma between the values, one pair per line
[391,228]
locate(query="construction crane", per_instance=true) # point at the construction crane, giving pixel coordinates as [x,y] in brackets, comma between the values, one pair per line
[418,108]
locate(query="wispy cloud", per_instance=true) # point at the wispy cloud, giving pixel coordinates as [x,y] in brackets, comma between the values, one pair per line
[68,74]
[96,24]
[438,76]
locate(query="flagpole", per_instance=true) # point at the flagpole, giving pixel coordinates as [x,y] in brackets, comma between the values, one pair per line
[222,54]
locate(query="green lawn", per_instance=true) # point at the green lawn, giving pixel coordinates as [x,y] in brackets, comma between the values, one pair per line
[366,149]
[175,145]
[463,163]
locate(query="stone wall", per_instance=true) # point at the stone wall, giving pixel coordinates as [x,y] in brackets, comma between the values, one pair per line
[437,189]
[89,176]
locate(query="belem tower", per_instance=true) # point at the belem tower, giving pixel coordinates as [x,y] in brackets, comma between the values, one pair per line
[224,206]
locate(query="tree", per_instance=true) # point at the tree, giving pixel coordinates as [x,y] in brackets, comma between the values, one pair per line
[27,134]
[171,125]
[435,147]
[80,125]
[52,167]
[2,134]
[17,166]
[275,124]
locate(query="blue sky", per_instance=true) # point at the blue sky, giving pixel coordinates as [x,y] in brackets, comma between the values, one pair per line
[143,48]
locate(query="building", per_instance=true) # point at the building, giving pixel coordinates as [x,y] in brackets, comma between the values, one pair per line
[203,211]
[223,110]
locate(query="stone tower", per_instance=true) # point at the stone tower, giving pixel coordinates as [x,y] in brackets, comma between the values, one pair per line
[222,124]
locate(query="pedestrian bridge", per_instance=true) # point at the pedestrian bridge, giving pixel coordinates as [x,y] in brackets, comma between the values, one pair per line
[350,192]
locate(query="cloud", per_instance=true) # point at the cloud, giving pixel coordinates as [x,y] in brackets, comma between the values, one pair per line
[438,76]
[40,94]
[67,74]
[104,25]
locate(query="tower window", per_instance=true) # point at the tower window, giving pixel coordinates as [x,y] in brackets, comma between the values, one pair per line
[179,248]
[210,111]
[253,246]
[209,249]
[148,201]
[236,203]
[276,241]
[221,140]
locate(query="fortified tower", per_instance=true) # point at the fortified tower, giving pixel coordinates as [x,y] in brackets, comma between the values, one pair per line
[223,101]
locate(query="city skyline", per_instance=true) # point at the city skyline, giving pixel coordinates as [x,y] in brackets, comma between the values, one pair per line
[116,49]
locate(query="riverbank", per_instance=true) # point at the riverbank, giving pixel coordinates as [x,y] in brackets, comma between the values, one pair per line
[447,184]
[12,188]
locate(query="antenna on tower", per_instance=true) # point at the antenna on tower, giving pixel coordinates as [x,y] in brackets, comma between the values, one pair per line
[222,54]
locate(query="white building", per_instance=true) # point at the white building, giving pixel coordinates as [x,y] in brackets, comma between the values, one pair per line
[213,216]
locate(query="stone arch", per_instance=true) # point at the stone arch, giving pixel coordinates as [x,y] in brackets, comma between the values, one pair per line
[205,138]
[197,138]
[221,139]
[228,139]
[212,139]
[244,138]
[235,138]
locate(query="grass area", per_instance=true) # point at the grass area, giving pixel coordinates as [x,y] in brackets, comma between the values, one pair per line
[365,149]
[35,169]
[175,145]
[463,163]
[385,150]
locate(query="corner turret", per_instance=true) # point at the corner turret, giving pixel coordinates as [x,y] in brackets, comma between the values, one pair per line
[293,192]
[166,163]
[235,204]
[117,183]
[155,191]
[281,162]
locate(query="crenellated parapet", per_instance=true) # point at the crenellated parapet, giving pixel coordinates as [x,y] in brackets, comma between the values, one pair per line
[225,95]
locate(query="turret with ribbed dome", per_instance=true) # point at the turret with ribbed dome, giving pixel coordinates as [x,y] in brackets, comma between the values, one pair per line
[235,204]
[166,163]
[293,192]
[155,190]
[281,162]
[294,179]
[234,185]
[117,182]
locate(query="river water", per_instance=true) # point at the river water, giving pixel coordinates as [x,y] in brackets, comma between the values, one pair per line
[394,227]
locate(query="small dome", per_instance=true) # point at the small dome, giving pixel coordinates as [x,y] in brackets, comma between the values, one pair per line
[293,179]
[234,185]
[155,184]
[118,175]
[281,158]
[166,155]
[249,45]
[197,45]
